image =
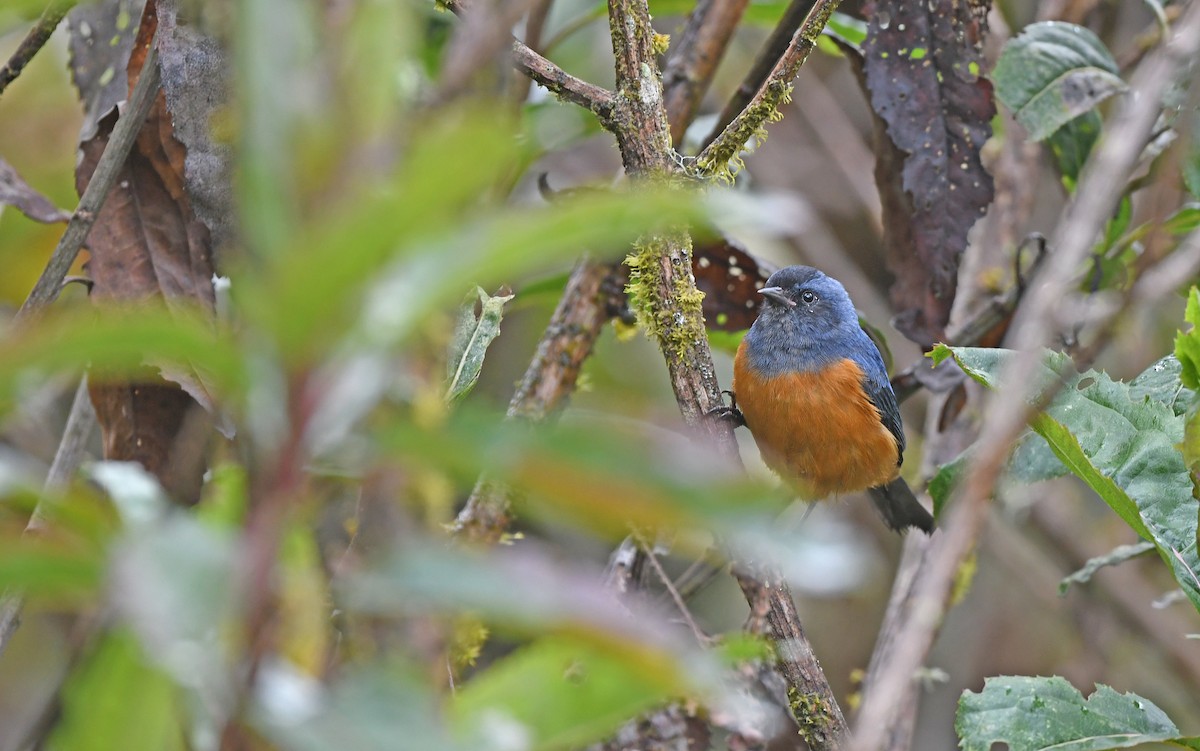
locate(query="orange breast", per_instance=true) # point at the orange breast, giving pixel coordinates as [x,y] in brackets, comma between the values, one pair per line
[818,430]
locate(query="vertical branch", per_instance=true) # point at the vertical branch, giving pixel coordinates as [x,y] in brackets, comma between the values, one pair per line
[774,48]
[664,291]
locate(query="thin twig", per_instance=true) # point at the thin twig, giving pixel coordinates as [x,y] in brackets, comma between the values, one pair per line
[535,25]
[776,45]
[33,41]
[764,105]
[1008,413]
[652,559]
[81,423]
[103,179]
[696,54]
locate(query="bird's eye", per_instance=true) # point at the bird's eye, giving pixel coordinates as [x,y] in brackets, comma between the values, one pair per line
[808,297]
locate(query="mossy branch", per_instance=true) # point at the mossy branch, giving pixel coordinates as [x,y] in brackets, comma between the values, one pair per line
[719,156]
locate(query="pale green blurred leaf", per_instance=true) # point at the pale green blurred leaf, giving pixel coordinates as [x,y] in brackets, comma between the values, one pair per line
[374,708]
[585,692]
[115,699]
[472,336]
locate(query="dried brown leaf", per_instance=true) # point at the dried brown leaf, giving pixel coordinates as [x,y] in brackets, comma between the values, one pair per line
[922,68]
[147,242]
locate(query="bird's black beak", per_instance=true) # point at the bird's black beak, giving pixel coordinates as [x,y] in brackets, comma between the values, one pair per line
[775,294]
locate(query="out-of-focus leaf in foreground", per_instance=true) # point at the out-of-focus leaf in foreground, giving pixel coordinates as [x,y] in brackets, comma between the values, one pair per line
[117,344]
[377,708]
[430,234]
[601,474]
[586,692]
[1053,73]
[1039,714]
[117,700]
[599,659]
[1118,440]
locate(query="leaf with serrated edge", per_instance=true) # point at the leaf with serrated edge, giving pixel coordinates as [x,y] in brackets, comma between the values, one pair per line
[1122,444]
[1035,714]
[1052,73]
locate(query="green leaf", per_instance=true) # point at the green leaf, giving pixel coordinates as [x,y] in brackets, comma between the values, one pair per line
[1187,343]
[1119,441]
[375,708]
[584,692]
[725,341]
[1162,382]
[846,29]
[1038,714]
[117,700]
[1184,221]
[601,474]
[1072,143]
[472,336]
[1052,73]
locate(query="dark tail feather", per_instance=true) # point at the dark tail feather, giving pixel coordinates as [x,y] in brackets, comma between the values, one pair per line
[900,508]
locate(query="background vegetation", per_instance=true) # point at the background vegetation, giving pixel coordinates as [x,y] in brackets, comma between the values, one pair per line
[375,446]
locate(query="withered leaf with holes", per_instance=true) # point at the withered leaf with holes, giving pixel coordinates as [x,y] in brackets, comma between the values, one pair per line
[923,69]
[730,279]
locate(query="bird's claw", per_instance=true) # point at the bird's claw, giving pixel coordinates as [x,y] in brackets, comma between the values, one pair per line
[730,413]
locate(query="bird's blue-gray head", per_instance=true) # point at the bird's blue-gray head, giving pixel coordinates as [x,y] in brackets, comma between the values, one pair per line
[807,321]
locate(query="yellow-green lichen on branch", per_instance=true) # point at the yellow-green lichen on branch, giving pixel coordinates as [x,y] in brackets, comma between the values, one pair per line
[722,161]
[673,316]
[812,714]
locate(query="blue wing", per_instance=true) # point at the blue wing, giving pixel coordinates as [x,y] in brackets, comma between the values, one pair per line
[879,389]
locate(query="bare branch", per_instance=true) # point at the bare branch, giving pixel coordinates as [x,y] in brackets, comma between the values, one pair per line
[777,44]
[81,423]
[565,85]
[33,41]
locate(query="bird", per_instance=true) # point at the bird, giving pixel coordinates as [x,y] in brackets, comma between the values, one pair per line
[813,390]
